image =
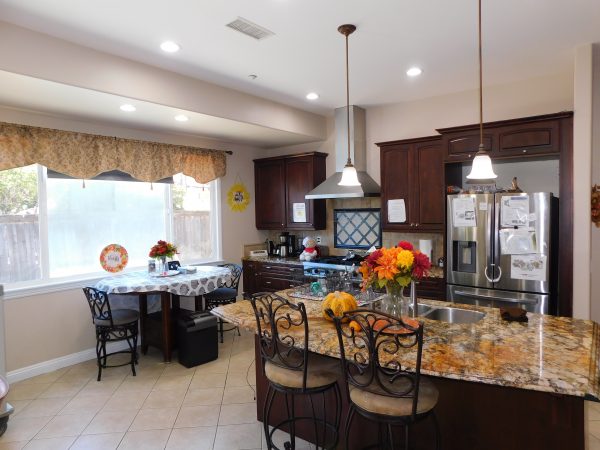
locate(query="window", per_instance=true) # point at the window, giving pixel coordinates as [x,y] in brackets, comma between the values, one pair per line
[52,228]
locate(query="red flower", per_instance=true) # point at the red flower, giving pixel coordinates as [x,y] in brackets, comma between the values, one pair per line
[405,245]
[373,257]
[421,265]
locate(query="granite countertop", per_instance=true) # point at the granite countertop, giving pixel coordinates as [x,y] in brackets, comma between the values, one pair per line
[434,272]
[548,354]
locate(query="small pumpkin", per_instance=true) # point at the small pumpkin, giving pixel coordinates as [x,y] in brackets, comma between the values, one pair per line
[339,303]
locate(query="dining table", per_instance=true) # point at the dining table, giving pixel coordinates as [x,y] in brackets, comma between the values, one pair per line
[171,284]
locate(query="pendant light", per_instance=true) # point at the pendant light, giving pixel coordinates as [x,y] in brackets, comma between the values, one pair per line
[481,170]
[349,175]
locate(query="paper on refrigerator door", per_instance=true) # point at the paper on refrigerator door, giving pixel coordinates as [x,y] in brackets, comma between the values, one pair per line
[396,211]
[463,212]
[517,242]
[528,267]
[514,211]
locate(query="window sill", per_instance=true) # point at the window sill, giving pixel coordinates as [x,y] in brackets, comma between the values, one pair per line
[69,284]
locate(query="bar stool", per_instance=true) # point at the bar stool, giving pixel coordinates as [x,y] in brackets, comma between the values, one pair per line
[378,386]
[292,371]
[225,295]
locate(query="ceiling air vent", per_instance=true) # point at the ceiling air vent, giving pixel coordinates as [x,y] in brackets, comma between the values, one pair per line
[249,29]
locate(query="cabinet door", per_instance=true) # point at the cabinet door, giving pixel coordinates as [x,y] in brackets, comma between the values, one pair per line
[269,182]
[396,182]
[251,269]
[463,146]
[428,196]
[529,139]
[299,182]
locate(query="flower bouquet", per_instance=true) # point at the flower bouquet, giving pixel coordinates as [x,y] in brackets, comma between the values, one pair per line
[163,250]
[394,268]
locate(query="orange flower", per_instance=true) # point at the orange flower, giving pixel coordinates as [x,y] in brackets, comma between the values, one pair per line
[387,266]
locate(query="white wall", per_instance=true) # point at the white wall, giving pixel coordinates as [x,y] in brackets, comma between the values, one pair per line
[44,327]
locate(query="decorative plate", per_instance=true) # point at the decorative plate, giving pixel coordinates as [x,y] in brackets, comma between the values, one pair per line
[113,258]
[238,197]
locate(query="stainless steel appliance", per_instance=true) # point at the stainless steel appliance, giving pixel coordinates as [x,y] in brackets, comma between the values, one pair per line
[501,250]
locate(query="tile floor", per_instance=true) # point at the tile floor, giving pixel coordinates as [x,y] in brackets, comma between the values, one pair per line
[165,406]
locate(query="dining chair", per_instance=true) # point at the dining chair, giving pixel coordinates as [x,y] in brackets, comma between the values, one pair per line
[293,371]
[225,295]
[381,360]
[112,326]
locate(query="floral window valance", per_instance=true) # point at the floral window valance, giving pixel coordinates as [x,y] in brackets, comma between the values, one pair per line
[82,155]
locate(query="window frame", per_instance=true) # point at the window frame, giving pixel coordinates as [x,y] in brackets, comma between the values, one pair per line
[46,284]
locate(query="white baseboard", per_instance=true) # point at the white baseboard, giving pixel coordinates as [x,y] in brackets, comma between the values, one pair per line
[58,363]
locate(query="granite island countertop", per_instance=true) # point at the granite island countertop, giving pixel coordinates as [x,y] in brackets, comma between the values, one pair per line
[549,354]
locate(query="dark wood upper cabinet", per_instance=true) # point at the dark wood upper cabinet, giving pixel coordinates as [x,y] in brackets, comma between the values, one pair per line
[277,190]
[527,137]
[413,170]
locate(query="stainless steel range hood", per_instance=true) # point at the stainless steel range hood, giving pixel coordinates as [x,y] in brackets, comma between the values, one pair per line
[358,150]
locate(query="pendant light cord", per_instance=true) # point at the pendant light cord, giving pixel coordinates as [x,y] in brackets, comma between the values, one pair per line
[349,162]
[481,147]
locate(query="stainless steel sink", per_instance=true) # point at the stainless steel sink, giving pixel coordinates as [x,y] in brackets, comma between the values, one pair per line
[454,315]
[422,309]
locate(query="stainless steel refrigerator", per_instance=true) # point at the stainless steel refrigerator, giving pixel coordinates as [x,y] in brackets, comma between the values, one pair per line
[501,250]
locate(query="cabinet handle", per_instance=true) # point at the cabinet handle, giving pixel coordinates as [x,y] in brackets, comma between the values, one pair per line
[412,224]
[268,267]
[292,270]
[267,282]
[416,224]
[525,151]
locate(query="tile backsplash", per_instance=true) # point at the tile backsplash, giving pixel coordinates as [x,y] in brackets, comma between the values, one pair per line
[389,238]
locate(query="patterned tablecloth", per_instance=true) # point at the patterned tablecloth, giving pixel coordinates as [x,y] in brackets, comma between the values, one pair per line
[206,279]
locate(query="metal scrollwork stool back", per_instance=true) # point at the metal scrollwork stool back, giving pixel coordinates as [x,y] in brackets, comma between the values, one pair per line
[379,387]
[225,295]
[112,326]
[291,370]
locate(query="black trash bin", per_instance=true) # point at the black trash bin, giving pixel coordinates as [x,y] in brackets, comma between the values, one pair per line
[196,337]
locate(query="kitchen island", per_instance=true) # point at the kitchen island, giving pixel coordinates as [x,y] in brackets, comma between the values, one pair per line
[503,385]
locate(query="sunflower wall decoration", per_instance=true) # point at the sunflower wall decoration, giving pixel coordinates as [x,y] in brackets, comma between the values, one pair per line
[238,197]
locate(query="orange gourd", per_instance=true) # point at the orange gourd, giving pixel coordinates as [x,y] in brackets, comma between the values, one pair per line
[339,303]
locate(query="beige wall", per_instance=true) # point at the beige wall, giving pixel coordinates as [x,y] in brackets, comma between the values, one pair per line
[43,327]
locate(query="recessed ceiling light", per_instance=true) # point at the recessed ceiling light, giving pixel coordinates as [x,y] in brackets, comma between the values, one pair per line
[170,47]
[312,96]
[127,107]
[414,72]
[181,118]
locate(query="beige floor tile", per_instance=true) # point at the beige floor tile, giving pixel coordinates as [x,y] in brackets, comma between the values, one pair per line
[104,387]
[20,391]
[49,377]
[594,428]
[176,369]
[146,440]
[125,401]
[234,437]
[14,445]
[55,443]
[110,421]
[203,380]
[62,389]
[154,419]
[593,443]
[281,437]
[238,395]
[67,425]
[592,410]
[85,404]
[238,413]
[19,406]
[140,384]
[239,379]
[76,377]
[108,441]
[241,362]
[43,407]
[172,383]
[197,416]
[200,438]
[217,366]
[23,429]
[164,399]
[199,397]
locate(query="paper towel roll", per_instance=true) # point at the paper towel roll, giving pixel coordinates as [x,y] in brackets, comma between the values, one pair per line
[426,247]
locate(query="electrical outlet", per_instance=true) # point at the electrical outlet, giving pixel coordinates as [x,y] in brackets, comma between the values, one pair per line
[318,239]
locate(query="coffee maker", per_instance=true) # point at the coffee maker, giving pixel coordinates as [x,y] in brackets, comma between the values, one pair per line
[282,248]
[291,245]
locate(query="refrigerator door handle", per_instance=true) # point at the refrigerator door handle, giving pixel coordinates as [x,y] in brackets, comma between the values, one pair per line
[491,297]
[493,280]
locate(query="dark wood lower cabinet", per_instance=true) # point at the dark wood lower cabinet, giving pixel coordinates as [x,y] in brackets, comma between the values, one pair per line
[472,416]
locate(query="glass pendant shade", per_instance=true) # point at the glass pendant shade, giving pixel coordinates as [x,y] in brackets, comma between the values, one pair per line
[482,168]
[349,176]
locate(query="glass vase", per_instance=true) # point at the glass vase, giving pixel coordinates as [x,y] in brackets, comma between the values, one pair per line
[394,302]
[411,300]
[162,267]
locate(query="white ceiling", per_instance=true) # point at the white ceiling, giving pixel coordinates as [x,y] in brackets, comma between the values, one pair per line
[27,93]
[522,39]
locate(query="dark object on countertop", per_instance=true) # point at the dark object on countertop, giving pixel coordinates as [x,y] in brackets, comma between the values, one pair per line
[514,314]
[515,186]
